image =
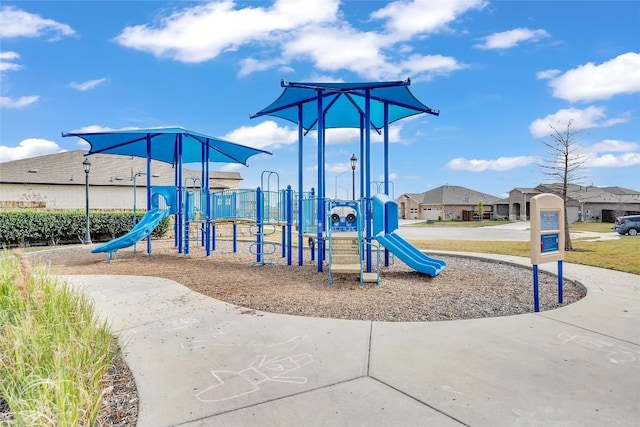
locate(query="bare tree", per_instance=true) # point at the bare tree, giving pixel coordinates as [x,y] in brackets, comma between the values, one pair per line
[563,165]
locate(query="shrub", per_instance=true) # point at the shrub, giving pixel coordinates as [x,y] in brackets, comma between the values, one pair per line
[30,228]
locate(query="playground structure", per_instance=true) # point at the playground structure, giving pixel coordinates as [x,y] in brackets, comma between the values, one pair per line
[263,212]
[316,217]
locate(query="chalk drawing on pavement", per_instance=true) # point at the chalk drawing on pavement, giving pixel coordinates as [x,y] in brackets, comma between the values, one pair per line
[232,384]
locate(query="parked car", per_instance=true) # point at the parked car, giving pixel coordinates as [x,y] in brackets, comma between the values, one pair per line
[628,225]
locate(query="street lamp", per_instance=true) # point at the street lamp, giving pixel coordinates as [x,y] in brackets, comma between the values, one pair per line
[86,165]
[354,163]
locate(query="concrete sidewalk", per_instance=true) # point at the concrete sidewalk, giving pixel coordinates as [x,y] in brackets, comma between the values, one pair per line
[199,362]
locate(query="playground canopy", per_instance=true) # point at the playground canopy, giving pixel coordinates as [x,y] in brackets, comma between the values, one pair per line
[174,145]
[345,103]
[169,145]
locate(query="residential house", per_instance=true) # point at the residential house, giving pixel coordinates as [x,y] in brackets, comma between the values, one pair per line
[57,181]
[584,203]
[447,202]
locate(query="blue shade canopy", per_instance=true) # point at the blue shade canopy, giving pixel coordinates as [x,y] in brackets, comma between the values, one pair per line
[165,147]
[344,103]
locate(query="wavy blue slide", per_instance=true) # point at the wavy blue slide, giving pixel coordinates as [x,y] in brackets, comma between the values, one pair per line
[411,255]
[385,223]
[147,224]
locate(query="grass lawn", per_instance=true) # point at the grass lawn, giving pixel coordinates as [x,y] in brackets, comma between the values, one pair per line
[463,224]
[597,227]
[621,255]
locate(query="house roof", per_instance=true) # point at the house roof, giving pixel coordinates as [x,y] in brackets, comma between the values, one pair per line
[621,191]
[592,194]
[452,195]
[525,190]
[106,169]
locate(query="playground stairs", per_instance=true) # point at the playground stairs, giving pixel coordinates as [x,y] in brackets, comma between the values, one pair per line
[345,259]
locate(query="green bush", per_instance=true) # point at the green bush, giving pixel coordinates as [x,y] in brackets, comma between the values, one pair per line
[32,228]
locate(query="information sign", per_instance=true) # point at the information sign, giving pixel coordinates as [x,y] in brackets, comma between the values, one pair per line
[549,243]
[549,221]
[547,238]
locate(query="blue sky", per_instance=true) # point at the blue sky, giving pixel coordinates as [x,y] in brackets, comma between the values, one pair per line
[499,72]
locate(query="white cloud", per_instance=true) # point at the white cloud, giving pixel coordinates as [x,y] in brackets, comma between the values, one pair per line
[6,61]
[88,85]
[407,18]
[547,74]
[338,48]
[18,23]
[591,82]
[425,67]
[9,55]
[612,160]
[291,31]
[202,32]
[511,38]
[23,101]
[499,164]
[266,135]
[30,147]
[367,54]
[610,153]
[590,117]
[614,145]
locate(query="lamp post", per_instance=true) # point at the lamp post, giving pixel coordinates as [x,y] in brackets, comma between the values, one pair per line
[354,163]
[86,165]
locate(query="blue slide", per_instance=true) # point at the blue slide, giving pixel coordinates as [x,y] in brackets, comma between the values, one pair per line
[147,224]
[385,223]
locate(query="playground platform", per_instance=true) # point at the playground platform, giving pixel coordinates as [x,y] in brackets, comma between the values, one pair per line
[199,362]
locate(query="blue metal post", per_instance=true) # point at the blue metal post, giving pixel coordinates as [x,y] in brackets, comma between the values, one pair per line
[289,205]
[207,196]
[234,227]
[186,225]
[300,187]
[282,218]
[313,248]
[536,296]
[386,166]
[180,214]
[367,204]
[259,225]
[560,283]
[362,159]
[321,192]
[148,187]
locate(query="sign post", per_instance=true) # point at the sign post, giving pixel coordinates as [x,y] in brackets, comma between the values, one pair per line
[547,238]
